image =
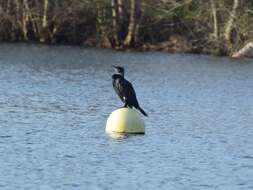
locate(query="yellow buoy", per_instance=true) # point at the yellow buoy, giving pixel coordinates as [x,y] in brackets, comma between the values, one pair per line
[125,120]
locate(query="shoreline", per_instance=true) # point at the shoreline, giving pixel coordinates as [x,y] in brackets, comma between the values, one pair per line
[144,48]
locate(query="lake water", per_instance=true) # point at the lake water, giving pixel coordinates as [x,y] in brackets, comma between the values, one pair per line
[54,102]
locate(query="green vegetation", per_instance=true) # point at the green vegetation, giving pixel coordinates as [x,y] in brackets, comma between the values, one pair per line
[211,26]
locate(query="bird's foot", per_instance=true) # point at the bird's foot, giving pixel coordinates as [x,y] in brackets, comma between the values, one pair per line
[125,106]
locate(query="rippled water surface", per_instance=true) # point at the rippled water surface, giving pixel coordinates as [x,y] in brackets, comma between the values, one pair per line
[54,102]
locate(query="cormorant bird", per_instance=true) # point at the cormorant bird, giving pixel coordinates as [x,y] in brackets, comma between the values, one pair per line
[125,90]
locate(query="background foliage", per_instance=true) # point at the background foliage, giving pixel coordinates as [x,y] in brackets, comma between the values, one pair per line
[212,26]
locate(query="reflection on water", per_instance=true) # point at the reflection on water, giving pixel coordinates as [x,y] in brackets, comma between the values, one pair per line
[121,136]
[118,136]
[54,102]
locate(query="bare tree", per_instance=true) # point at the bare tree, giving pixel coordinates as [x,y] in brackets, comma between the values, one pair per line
[215,22]
[132,24]
[229,25]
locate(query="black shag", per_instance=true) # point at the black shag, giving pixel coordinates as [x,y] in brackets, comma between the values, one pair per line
[124,89]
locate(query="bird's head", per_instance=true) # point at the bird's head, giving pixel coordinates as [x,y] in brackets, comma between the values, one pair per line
[119,70]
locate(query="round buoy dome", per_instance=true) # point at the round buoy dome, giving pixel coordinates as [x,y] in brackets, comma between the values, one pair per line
[125,120]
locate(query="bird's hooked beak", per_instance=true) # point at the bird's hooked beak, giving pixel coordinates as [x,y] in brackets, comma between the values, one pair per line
[116,68]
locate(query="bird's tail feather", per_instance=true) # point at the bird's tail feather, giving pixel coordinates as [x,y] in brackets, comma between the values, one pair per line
[142,111]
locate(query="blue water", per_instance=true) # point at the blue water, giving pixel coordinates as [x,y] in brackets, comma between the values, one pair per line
[54,102]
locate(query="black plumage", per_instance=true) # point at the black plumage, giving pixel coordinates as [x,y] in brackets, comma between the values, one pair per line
[124,89]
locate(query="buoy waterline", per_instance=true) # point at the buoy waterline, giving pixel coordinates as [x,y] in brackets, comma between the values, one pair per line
[125,120]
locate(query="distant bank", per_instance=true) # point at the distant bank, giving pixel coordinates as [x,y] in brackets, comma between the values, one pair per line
[216,27]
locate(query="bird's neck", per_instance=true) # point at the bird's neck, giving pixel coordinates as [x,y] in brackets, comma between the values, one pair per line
[118,75]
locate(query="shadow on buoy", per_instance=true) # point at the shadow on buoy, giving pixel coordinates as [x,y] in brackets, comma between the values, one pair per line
[125,120]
